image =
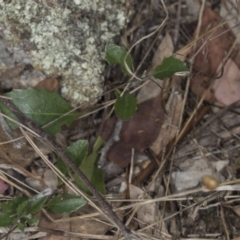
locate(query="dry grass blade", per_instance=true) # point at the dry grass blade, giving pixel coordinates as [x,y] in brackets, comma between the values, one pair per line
[196,153]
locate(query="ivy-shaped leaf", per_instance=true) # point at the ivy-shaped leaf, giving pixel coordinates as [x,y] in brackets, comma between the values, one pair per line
[65,204]
[125,106]
[169,67]
[117,54]
[42,107]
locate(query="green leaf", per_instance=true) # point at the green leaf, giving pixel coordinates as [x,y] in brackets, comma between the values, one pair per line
[36,204]
[19,211]
[116,54]
[11,205]
[61,166]
[91,171]
[22,208]
[42,107]
[6,219]
[31,206]
[125,106]
[169,67]
[21,226]
[77,151]
[66,204]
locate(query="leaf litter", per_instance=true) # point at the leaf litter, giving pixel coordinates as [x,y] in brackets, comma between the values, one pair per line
[211,147]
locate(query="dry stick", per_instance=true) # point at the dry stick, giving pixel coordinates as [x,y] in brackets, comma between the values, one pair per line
[177,26]
[46,137]
[224,223]
[114,138]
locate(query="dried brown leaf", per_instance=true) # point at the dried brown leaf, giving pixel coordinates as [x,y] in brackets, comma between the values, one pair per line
[165,49]
[148,213]
[89,226]
[12,72]
[50,179]
[45,223]
[152,88]
[83,226]
[213,46]
[227,88]
[138,133]
[22,156]
[169,128]
[50,84]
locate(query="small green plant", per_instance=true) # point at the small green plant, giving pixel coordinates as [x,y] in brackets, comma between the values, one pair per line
[50,111]
[88,164]
[20,211]
[117,54]
[126,105]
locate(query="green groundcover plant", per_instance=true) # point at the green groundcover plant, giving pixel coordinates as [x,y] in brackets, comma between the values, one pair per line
[50,111]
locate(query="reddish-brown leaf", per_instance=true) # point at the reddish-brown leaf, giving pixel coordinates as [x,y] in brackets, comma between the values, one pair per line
[50,84]
[213,46]
[138,133]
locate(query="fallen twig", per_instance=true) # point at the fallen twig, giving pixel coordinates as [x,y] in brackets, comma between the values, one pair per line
[114,138]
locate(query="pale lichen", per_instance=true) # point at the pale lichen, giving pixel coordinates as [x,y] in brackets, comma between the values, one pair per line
[65,38]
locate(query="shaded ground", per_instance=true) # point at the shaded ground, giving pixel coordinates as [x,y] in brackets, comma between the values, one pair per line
[188,145]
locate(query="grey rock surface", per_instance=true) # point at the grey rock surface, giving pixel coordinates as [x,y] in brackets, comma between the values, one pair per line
[63,38]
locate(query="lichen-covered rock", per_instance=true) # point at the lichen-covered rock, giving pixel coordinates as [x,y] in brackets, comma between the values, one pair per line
[65,38]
